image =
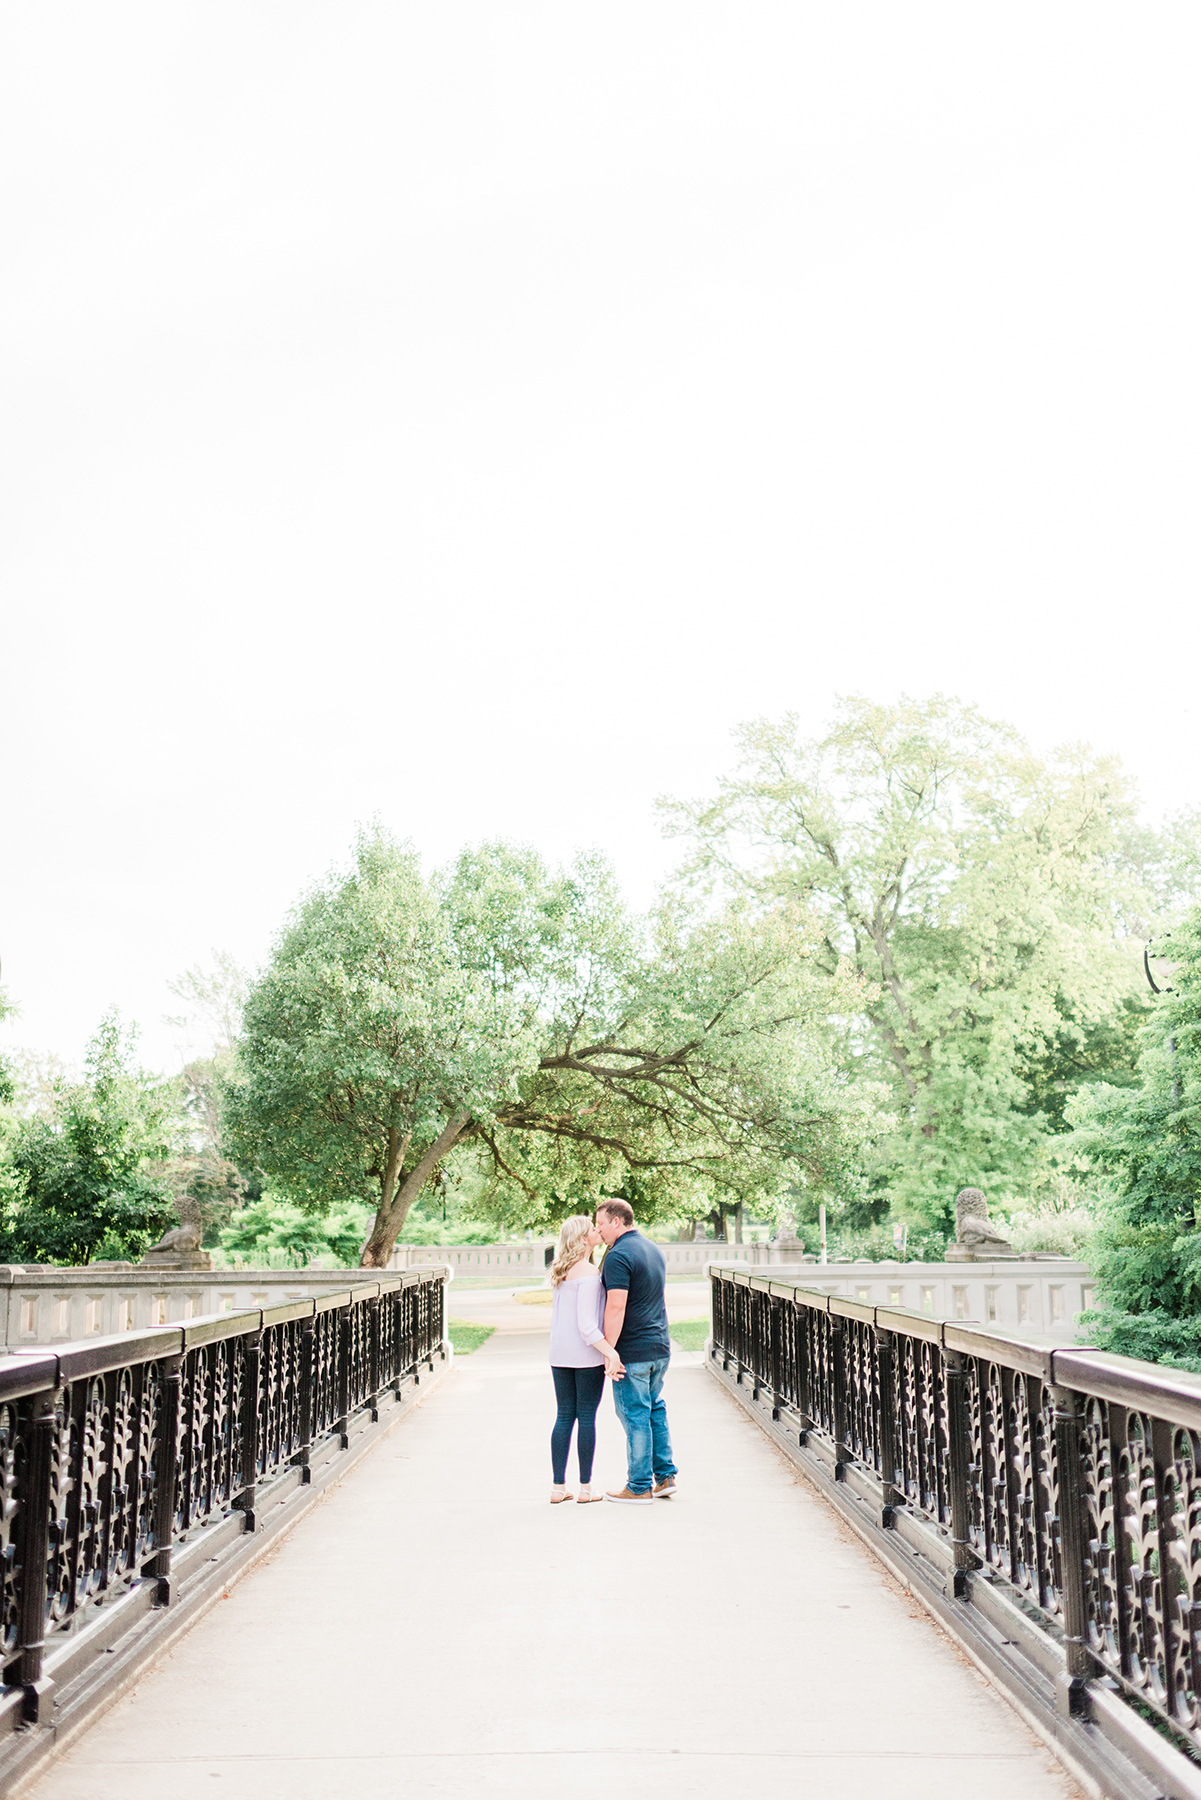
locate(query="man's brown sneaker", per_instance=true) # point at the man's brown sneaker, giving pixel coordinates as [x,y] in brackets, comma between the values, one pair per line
[625,1498]
[663,1490]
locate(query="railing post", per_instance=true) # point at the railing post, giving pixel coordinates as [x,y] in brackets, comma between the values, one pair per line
[166,1476]
[308,1385]
[804,1374]
[397,1302]
[345,1351]
[35,1548]
[251,1411]
[1071,1698]
[759,1340]
[374,1382]
[838,1361]
[958,1464]
[721,1329]
[887,1427]
[401,1309]
[776,1305]
[434,1295]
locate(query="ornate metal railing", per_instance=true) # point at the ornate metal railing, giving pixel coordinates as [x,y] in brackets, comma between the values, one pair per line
[1069,1477]
[114,1451]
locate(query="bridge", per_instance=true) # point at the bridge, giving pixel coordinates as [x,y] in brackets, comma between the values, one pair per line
[296,1550]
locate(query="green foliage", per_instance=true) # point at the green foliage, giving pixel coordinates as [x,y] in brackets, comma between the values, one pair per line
[452,1208]
[8,1083]
[1080,1054]
[1147,1141]
[1153,1336]
[1068,1233]
[213,1186]
[270,1225]
[987,901]
[92,1177]
[522,1024]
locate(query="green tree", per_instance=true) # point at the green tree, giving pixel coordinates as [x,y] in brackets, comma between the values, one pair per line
[1147,1140]
[212,1186]
[270,1224]
[523,1019]
[93,1175]
[8,1083]
[987,900]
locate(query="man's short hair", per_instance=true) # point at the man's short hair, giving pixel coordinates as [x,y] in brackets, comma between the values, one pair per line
[618,1209]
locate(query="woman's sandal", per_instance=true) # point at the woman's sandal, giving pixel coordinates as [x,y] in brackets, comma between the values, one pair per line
[586,1495]
[557,1499]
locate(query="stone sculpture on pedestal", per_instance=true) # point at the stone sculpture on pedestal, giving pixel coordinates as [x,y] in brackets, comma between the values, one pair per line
[976,1237]
[786,1246]
[180,1249]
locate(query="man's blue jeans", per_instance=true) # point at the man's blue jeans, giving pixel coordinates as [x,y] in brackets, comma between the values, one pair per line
[639,1403]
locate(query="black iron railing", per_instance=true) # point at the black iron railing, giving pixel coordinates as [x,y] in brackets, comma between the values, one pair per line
[1069,1477]
[114,1450]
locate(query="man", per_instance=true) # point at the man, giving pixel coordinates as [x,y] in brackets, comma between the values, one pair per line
[634,1274]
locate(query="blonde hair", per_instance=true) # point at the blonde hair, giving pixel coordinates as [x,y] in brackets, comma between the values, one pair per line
[572,1245]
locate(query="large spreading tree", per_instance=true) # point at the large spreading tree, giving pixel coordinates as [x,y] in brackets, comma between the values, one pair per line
[522,1019]
[991,902]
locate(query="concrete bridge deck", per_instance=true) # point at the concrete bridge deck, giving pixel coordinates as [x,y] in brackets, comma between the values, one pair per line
[434,1627]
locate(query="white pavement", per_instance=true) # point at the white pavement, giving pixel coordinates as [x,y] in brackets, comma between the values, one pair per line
[434,1628]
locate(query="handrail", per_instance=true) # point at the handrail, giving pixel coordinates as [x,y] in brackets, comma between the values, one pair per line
[1069,1476]
[114,1450]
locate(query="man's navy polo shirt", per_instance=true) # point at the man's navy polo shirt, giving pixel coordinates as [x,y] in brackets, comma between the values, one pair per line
[639,1266]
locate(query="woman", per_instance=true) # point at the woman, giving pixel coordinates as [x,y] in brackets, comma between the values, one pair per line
[580,1358]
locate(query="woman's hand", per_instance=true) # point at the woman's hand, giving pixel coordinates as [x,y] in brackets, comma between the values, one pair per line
[614,1367]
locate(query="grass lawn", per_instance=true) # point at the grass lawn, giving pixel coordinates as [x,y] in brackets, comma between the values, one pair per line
[690,1334]
[466,1336]
[499,1280]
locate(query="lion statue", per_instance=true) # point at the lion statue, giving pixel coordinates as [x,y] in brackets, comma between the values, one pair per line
[186,1238]
[973,1227]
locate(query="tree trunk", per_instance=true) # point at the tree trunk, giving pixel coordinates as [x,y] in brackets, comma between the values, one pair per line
[738,1223]
[393,1211]
[717,1218]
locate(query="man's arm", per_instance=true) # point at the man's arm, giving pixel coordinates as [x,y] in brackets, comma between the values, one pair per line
[615,1312]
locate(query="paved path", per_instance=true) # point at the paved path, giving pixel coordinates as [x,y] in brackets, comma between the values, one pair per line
[435,1628]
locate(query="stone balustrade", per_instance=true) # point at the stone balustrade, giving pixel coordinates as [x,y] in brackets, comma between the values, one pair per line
[51,1306]
[506,1262]
[522,1260]
[41,1305]
[1041,1294]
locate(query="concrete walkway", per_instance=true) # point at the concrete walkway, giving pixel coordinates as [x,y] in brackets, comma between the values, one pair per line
[434,1627]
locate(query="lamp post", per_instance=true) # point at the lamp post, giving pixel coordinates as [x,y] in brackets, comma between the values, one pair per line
[1159,971]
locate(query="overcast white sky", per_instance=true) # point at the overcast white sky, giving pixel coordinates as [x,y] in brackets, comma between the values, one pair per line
[468,413]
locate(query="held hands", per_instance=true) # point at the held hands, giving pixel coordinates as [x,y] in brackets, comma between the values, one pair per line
[614,1367]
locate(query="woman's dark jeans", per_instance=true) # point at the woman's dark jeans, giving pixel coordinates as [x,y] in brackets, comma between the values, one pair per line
[578,1392]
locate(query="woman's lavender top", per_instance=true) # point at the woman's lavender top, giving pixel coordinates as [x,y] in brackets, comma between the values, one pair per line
[575,1322]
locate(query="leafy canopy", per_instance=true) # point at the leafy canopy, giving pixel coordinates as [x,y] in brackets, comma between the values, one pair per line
[520,1019]
[1148,1141]
[985,897]
[93,1175]
[269,1229]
